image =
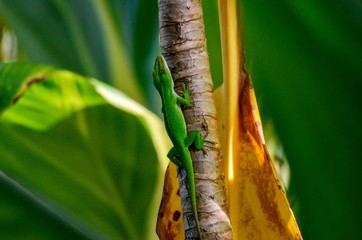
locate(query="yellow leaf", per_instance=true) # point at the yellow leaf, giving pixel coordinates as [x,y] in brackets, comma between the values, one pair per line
[258,206]
[170,220]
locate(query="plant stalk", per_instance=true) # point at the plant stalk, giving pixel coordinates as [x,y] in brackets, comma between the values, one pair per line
[183,44]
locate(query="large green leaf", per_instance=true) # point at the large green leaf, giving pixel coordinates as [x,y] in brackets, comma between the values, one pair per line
[305,60]
[77,157]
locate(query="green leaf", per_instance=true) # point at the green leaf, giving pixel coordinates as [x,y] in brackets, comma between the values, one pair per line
[81,36]
[305,61]
[79,156]
[212,28]
[24,216]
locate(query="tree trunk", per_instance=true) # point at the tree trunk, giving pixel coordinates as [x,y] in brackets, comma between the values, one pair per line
[183,44]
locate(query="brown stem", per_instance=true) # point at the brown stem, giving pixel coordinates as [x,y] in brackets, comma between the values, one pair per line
[183,44]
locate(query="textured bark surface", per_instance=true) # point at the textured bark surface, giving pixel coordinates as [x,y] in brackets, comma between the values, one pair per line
[183,44]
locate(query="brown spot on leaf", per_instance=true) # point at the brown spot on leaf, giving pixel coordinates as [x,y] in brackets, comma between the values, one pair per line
[176,215]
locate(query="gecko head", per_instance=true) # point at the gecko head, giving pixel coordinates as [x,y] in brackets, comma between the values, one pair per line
[160,72]
[156,74]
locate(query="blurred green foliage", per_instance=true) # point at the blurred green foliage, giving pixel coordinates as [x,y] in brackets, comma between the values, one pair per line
[73,160]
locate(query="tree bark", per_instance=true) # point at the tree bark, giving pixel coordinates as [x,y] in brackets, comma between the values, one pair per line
[183,44]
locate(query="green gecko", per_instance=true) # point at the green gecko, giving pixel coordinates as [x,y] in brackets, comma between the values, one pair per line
[176,126]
